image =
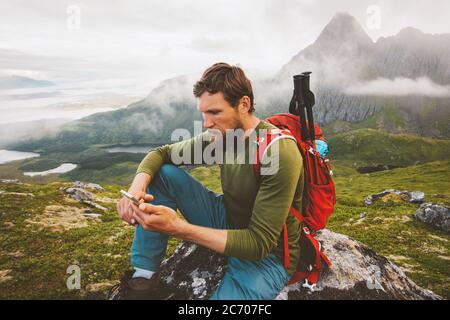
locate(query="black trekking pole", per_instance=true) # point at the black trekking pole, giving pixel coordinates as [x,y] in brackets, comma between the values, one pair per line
[297,105]
[302,99]
[309,100]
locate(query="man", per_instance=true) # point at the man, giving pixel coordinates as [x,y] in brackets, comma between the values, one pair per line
[245,222]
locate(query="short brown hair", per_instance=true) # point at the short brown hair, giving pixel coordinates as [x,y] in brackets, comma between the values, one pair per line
[230,80]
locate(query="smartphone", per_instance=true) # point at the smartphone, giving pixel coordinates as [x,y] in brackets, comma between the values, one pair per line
[129,196]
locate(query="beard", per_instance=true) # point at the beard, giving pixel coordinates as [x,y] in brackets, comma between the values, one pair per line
[221,134]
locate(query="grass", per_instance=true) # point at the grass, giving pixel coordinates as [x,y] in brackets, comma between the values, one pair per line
[367,147]
[34,259]
[422,251]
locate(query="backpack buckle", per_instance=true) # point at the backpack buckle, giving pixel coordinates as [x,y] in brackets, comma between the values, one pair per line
[311,287]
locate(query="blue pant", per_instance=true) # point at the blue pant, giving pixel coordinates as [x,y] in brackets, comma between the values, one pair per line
[244,279]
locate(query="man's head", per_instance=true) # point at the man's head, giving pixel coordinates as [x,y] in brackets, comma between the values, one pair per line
[225,97]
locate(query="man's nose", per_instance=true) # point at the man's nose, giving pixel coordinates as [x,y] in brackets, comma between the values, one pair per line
[207,123]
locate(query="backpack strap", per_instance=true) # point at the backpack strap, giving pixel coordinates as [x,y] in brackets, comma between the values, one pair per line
[263,144]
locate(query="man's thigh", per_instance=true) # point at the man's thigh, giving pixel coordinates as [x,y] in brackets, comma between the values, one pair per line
[176,188]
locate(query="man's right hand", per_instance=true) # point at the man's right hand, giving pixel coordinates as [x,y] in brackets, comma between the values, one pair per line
[125,209]
[139,184]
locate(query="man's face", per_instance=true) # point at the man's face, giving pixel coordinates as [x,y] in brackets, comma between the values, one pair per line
[218,113]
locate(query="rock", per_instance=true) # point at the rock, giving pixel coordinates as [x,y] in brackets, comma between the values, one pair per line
[19,194]
[94,186]
[92,215]
[91,186]
[194,272]
[416,197]
[9,180]
[5,275]
[396,195]
[434,214]
[79,194]
[95,205]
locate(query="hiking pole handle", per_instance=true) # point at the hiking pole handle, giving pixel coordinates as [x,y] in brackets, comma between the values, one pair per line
[300,104]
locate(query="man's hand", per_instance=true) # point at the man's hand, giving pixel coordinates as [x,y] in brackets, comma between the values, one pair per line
[157,218]
[163,219]
[125,208]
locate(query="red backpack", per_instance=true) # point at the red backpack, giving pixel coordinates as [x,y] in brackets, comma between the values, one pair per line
[319,196]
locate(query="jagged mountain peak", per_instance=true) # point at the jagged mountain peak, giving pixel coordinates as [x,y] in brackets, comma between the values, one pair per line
[343,27]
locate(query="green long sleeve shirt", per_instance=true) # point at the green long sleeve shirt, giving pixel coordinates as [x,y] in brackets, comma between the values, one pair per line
[257,207]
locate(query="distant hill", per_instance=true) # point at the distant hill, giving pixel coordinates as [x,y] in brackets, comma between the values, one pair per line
[17,82]
[366,147]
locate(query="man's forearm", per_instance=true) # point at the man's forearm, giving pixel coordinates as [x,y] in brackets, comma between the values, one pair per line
[213,239]
[140,182]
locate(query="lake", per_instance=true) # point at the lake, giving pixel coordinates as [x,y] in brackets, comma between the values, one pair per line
[11,155]
[65,167]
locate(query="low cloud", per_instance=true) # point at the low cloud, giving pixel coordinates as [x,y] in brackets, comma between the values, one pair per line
[173,91]
[422,86]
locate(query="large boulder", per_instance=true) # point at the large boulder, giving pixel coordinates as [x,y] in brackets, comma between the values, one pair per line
[434,214]
[193,272]
[396,195]
[79,194]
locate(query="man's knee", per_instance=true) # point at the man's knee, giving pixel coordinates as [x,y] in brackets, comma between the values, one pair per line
[168,176]
[169,170]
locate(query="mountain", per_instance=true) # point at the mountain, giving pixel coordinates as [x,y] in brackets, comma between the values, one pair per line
[344,47]
[17,82]
[148,121]
[412,54]
[400,84]
[339,53]
[354,78]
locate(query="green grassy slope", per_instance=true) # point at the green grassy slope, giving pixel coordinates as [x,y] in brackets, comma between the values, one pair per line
[34,259]
[367,147]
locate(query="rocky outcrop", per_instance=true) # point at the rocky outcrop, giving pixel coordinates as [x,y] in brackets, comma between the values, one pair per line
[193,272]
[79,193]
[434,214]
[89,186]
[392,194]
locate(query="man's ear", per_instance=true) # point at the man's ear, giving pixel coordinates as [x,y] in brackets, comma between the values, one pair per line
[244,104]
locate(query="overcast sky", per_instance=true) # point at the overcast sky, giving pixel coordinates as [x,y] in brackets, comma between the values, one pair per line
[151,40]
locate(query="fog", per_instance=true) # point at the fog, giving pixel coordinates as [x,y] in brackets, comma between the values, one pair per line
[400,87]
